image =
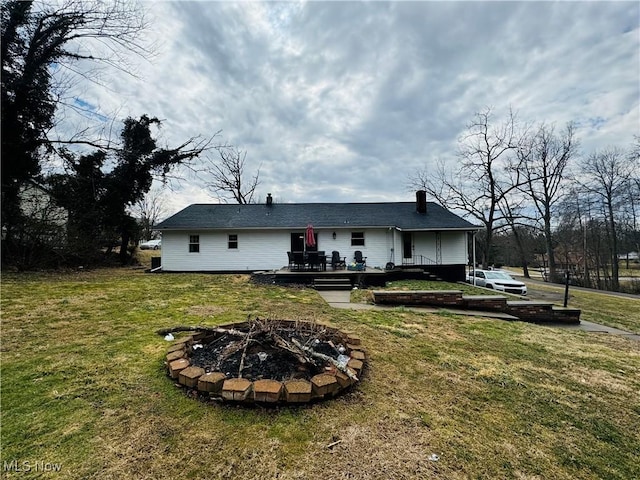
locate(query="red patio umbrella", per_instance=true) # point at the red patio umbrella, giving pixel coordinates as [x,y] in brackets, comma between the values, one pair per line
[309,237]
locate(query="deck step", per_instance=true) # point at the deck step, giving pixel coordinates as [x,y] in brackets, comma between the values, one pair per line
[431,277]
[328,283]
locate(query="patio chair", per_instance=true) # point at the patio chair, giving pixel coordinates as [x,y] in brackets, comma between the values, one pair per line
[291,260]
[313,260]
[298,260]
[359,259]
[322,258]
[337,261]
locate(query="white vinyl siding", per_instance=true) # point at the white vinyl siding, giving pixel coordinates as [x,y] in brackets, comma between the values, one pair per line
[267,249]
[257,251]
[453,247]
[424,243]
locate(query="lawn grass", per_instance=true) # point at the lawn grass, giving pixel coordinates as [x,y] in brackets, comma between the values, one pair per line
[366,295]
[465,288]
[83,386]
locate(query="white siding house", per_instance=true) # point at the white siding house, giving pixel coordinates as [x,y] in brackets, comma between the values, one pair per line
[247,238]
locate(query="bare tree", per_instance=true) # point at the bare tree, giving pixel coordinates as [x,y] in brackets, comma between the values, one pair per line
[521,225]
[485,175]
[543,159]
[149,210]
[607,178]
[632,205]
[228,177]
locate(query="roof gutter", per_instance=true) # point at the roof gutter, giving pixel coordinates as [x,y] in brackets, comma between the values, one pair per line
[473,228]
[330,227]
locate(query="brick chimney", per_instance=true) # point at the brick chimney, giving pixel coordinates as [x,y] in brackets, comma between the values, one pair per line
[421,201]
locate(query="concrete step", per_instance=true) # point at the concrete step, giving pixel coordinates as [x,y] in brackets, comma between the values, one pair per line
[431,277]
[328,286]
[326,279]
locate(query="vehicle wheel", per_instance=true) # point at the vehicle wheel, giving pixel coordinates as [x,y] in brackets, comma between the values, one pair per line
[155,248]
[490,286]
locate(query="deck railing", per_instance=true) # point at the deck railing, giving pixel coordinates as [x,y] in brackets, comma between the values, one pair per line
[418,260]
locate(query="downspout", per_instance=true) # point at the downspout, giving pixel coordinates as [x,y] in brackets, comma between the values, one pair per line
[474,258]
[393,246]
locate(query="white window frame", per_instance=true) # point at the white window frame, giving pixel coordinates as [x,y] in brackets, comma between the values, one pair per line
[194,243]
[230,241]
[357,240]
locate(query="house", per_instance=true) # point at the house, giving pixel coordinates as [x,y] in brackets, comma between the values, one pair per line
[630,256]
[246,238]
[46,221]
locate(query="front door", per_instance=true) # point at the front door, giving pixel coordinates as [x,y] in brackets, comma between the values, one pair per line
[407,247]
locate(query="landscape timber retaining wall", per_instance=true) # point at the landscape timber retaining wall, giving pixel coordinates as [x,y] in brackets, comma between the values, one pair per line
[526,310]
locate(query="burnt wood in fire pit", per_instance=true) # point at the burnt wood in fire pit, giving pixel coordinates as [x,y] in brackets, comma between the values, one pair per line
[266,361]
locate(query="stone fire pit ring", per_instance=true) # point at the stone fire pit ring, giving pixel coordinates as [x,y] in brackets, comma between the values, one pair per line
[321,361]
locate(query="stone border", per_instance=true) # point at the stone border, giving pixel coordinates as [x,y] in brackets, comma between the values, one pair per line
[265,391]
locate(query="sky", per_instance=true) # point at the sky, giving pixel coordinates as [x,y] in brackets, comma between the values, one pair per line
[345,101]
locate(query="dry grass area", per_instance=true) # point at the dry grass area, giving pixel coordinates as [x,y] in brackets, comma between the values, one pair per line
[83,385]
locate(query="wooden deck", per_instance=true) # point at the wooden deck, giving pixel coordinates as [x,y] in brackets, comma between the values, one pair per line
[370,276]
[330,271]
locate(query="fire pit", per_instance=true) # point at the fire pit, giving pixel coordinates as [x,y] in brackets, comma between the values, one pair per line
[266,361]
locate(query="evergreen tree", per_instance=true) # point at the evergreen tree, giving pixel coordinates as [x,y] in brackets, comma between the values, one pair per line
[37,40]
[99,202]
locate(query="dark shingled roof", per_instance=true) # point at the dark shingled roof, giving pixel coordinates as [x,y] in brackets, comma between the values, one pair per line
[402,215]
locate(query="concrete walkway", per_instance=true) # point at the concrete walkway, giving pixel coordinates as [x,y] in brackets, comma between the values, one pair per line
[342,299]
[597,328]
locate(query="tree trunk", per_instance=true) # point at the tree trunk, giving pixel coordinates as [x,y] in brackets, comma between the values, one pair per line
[521,252]
[548,242]
[615,272]
[487,247]
[124,247]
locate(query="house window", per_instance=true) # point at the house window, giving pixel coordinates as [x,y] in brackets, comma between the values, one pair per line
[194,243]
[233,241]
[357,239]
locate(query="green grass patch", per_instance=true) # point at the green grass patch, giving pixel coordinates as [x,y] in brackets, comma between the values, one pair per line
[366,296]
[465,288]
[83,385]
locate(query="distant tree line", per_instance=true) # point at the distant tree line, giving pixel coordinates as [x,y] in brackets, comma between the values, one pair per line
[99,196]
[541,201]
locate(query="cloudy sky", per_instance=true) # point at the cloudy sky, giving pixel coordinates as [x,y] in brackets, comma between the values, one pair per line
[343,101]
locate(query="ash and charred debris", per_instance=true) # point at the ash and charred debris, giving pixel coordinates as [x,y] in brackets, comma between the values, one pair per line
[263,348]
